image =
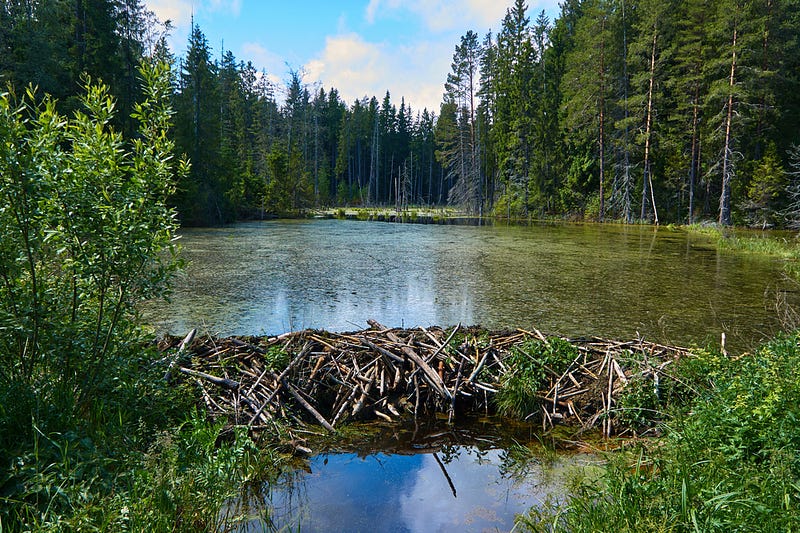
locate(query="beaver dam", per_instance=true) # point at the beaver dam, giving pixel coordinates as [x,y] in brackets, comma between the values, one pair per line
[328,379]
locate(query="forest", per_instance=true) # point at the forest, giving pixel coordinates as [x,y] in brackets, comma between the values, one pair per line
[646,111]
[671,111]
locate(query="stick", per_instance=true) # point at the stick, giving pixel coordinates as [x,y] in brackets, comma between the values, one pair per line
[478,368]
[446,475]
[222,382]
[455,393]
[432,377]
[187,340]
[441,346]
[307,406]
[279,380]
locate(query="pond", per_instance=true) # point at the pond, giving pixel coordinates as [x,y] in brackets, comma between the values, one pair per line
[577,280]
[612,281]
[416,480]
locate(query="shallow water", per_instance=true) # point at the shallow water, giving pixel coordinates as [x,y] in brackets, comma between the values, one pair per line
[577,280]
[451,480]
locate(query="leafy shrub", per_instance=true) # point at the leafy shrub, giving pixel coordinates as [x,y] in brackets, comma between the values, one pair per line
[532,365]
[87,233]
[86,236]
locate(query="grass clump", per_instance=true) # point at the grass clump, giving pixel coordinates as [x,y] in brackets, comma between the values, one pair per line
[728,462]
[532,365]
[753,242]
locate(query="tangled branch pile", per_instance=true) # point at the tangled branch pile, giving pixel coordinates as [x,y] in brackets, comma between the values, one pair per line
[395,373]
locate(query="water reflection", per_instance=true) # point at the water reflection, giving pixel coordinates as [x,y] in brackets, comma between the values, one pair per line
[460,489]
[613,281]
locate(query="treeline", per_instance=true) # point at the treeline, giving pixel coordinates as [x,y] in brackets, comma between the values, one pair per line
[658,111]
[631,110]
[61,46]
[652,110]
[253,156]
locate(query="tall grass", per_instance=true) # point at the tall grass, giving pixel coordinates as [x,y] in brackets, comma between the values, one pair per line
[531,364]
[730,462]
[771,244]
[142,459]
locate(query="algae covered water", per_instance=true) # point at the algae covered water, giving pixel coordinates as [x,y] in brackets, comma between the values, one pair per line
[578,280]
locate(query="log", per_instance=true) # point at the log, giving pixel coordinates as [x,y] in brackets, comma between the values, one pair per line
[222,382]
[187,340]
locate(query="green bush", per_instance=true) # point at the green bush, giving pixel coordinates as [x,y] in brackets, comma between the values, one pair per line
[87,233]
[532,365]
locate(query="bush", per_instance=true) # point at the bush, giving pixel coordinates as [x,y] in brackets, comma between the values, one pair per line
[532,365]
[87,235]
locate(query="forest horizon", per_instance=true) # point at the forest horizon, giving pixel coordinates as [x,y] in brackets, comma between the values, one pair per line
[633,111]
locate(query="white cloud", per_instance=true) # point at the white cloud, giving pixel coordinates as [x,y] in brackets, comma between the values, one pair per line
[445,15]
[177,11]
[262,58]
[180,11]
[357,68]
[233,7]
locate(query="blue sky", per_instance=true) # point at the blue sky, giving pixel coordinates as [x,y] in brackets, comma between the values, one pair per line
[361,47]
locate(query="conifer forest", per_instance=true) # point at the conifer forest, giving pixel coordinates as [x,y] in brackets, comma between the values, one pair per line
[673,111]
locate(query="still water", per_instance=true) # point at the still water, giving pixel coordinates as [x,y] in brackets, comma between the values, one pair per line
[478,485]
[577,280]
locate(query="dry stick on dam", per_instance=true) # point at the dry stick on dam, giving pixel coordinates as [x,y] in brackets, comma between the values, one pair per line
[391,374]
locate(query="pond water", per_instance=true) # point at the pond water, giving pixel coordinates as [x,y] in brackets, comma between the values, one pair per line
[578,280]
[432,485]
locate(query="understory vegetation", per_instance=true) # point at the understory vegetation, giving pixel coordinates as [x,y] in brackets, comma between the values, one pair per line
[728,460]
[92,437]
[531,363]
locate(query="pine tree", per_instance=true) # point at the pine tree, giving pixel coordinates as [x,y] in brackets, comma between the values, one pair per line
[648,60]
[690,50]
[461,88]
[515,105]
[201,196]
[586,87]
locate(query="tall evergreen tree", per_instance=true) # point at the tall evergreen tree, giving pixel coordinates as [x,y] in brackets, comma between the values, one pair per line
[515,104]
[461,88]
[201,197]
[586,88]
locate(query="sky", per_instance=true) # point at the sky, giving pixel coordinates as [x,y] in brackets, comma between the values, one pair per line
[360,47]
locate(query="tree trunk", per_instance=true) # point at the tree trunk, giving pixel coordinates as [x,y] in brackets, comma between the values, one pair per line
[602,122]
[727,157]
[695,162]
[648,127]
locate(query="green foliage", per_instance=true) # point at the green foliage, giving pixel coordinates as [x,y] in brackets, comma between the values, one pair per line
[645,402]
[532,365]
[509,205]
[87,236]
[276,358]
[766,191]
[728,463]
[189,478]
[87,233]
